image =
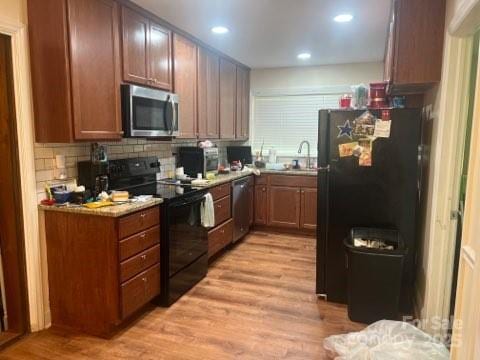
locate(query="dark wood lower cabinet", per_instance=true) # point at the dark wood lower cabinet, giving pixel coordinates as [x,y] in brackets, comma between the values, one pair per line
[308,211]
[284,206]
[220,237]
[260,205]
[139,290]
[101,269]
[286,202]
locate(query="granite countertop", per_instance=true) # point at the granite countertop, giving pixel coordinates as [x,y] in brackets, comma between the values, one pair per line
[125,209]
[110,211]
[290,172]
[234,175]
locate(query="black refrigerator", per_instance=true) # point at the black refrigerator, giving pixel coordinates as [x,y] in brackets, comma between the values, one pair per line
[382,191]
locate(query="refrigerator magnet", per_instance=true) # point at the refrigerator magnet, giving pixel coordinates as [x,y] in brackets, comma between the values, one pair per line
[345,130]
[346,149]
[365,158]
[382,128]
[364,125]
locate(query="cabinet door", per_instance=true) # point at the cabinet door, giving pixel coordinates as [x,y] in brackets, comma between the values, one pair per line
[242,104]
[160,57]
[284,207]
[135,33]
[251,203]
[260,202]
[308,217]
[246,106]
[95,69]
[185,82]
[208,86]
[228,90]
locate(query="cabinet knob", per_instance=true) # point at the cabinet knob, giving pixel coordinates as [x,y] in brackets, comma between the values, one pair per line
[144,279]
[264,189]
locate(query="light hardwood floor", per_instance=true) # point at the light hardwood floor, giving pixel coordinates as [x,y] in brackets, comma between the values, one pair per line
[257,302]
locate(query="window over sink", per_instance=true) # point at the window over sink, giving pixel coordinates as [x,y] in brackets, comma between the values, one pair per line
[282,121]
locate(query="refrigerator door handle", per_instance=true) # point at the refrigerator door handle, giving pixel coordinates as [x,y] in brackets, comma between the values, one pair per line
[324,168]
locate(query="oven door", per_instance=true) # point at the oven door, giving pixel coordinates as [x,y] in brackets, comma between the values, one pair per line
[187,237]
[148,112]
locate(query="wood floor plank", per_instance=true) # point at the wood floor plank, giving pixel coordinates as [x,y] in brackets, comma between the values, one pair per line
[257,302]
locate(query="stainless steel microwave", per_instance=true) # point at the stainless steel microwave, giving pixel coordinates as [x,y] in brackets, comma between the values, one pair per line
[148,112]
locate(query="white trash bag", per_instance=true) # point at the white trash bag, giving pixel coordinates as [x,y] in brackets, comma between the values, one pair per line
[386,340]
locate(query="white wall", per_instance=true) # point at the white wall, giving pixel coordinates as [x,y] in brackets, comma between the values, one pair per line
[315,76]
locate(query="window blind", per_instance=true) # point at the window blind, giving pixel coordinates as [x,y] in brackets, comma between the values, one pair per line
[283,121]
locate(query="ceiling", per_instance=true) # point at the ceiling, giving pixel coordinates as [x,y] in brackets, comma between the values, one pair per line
[270,33]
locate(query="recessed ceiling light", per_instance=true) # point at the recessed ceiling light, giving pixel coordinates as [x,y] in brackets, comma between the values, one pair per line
[304,56]
[220,30]
[343,18]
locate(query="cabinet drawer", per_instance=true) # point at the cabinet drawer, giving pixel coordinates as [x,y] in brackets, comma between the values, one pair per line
[261,180]
[140,262]
[140,290]
[223,210]
[293,181]
[141,220]
[220,191]
[139,242]
[220,237]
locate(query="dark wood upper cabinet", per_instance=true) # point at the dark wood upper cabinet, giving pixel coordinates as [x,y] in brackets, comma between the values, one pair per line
[413,55]
[135,33]
[147,51]
[75,69]
[160,53]
[242,103]
[308,212]
[228,93]
[208,94]
[185,84]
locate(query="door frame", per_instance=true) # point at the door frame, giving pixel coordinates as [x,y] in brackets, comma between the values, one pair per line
[35,250]
[448,161]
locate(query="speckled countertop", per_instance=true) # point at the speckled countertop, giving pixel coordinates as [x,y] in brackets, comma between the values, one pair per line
[290,172]
[111,211]
[234,175]
[125,209]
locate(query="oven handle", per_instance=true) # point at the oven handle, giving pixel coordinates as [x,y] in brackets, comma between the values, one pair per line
[189,201]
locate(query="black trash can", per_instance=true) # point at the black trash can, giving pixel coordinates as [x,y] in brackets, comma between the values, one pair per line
[374,275]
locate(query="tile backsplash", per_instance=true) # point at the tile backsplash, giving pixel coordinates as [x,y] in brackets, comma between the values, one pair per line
[45,170]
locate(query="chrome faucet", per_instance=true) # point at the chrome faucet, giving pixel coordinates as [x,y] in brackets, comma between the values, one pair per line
[308,152]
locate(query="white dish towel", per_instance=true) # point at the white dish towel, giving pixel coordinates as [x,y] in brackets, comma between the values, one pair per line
[207,212]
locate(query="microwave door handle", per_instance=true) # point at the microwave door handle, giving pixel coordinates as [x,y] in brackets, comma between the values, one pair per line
[174,115]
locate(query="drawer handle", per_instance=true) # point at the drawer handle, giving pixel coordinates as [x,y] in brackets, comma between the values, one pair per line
[143,235]
[222,231]
[219,206]
[144,257]
[143,215]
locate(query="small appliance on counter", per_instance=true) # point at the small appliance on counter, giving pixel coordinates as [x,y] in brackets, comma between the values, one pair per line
[94,176]
[239,153]
[196,161]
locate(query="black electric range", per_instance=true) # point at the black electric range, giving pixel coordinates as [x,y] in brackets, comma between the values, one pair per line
[183,239]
